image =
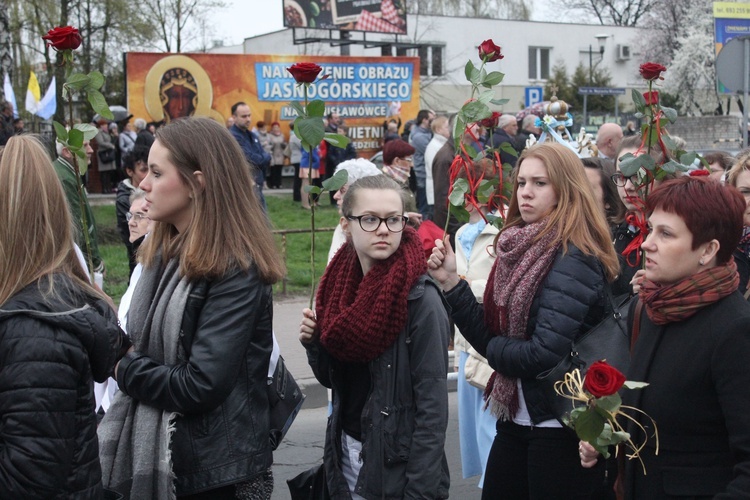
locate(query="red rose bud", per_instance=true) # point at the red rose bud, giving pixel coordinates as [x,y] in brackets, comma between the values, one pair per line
[652,71]
[305,72]
[490,122]
[699,173]
[603,379]
[651,97]
[63,38]
[489,52]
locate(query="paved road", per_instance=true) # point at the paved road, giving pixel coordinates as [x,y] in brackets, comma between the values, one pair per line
[303,447]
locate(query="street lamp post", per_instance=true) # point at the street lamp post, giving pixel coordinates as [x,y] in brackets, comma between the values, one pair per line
[601,41]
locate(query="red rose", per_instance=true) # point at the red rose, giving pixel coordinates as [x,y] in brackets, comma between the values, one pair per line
[491,122]
[699,173]
[305,72]
[489,52]
[603,379]
[652,71]
[63,38]
[651,97]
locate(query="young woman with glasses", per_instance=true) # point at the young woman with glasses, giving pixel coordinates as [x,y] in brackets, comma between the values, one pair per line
[379,338]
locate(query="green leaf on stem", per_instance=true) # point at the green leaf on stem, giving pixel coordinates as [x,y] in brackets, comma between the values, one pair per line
[670,113]
[316,108]
[310,130]
[493,78]
[670,167]
[506,147]
[629,164]
[589,425]
[472,74]
[336,182]
[313,189]
[99,103]
[77,81]
[638,100]
[619,437]
[83,161]
[669,142]
[499,102]
[460,213]
[486,96]
[486,189]
[338,140]
[474,111]
[610,403]
[89,131]
[298,108]
[688,158]
[458,131]
[482,76]
[96,80]
[458,194]
[60,131]
[75,139]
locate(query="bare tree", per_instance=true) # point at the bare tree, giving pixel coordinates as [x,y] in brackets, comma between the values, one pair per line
[177,22]
[617,12]
[492,9]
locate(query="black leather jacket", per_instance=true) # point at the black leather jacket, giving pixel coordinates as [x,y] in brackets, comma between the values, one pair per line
[50,350]
[406,413]
[570,301]
[221,437]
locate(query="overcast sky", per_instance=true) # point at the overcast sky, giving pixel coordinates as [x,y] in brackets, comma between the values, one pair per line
[247,18]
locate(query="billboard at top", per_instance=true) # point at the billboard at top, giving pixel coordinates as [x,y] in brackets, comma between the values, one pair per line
[377,16]
[364,91]
[731,19]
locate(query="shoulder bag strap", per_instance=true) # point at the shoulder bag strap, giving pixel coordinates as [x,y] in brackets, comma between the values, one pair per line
[636,323]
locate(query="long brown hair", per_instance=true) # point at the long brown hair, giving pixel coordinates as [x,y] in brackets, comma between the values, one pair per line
[36,231]
[228,228]
[578,217]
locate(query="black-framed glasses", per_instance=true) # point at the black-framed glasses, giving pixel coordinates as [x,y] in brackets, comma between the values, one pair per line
[620,180]
[371,223]
[137,216]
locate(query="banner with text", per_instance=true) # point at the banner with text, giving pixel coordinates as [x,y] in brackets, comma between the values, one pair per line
[364,91]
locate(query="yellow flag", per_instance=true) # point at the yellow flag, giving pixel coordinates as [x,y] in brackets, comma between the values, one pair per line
[33,94]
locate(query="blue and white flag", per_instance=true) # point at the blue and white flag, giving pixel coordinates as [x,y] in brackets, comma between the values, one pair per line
[10,96]
[48,104]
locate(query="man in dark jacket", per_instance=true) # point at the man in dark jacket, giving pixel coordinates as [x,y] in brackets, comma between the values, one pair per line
[507,128]
[256,156]
[143,138]
[6,122]
[420,138]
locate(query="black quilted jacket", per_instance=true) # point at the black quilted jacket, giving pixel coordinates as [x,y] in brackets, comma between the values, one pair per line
[50,350]
[569,302]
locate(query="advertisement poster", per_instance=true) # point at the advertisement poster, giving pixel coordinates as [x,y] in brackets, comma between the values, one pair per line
[377,16]
[365,91]
[730,21]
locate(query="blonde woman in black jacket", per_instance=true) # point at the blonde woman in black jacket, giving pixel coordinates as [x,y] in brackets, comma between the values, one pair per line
[57,335]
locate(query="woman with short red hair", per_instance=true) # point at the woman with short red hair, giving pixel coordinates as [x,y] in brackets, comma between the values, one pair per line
[692,349]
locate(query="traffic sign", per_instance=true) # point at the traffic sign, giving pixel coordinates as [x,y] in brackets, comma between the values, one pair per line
[533,95]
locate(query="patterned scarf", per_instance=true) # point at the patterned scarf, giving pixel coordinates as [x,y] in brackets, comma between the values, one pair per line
[681,300]
[521,265]
[361,316]
[397,173]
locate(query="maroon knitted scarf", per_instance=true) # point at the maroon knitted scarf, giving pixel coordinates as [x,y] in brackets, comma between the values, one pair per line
[522,263]
[681,300]
[359,317]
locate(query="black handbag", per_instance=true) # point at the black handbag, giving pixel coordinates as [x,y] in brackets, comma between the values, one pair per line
[106,155]
[608,340]
[285,399]
[309,485]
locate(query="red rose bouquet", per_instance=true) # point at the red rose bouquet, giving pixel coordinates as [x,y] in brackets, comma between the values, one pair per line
[599,406]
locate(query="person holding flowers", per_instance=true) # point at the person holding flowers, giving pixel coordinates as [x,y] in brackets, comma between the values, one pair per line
[554,258]
[692,350]
[379,339]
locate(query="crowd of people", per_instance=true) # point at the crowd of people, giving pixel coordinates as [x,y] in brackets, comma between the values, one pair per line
[165,396]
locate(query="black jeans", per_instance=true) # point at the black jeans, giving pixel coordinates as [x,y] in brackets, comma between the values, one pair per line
[539,463]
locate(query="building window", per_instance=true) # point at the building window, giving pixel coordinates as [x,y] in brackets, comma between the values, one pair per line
[430,60]
[538,63]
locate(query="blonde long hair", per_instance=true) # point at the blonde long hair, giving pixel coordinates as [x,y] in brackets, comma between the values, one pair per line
[228,228]
[578,217]
[36,230]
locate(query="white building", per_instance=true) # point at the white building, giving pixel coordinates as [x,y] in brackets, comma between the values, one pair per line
[444,44]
